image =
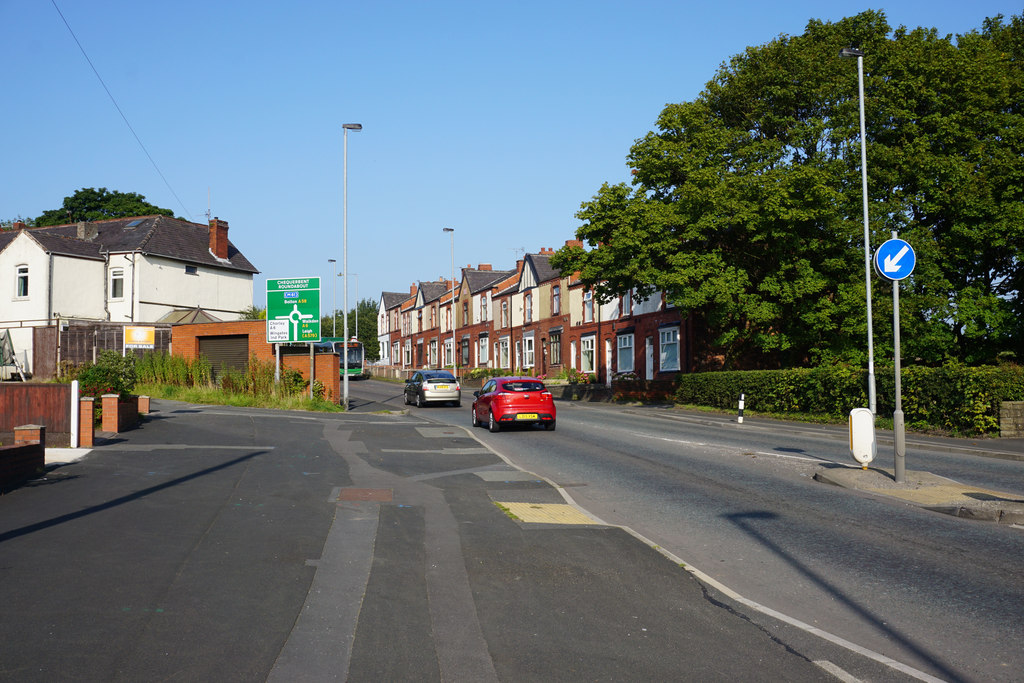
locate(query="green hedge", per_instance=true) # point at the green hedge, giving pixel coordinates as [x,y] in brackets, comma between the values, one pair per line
[964,400]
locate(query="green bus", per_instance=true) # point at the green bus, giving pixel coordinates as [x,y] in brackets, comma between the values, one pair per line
[355,353]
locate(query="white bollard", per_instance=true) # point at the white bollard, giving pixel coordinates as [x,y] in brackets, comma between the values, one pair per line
[739,418]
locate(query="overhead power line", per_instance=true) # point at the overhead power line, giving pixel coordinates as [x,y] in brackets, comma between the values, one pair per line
[118,107]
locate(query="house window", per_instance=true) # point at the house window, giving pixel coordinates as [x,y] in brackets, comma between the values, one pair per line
[407,355]
[483,351]
[555,348]
[588,306]
[117,283]
[528,352]
[556,300]
[448,319]
[528,311]
[465,352]
[433,317]
[503,352]
[21,283]
[668,345]
[433,352]
[624,358]
[395,350]
[504,318]
[626,304]
[465,313]
[191,270]
[483,308]
[587,354]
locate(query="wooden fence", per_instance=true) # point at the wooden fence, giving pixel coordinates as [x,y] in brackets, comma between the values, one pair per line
[41,404]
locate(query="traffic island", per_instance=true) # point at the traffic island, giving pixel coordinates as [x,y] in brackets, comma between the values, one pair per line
[931,492]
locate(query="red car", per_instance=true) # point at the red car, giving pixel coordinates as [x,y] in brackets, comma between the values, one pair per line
[513,400]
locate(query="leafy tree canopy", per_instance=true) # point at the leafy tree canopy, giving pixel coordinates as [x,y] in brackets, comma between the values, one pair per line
[367,331]
[89,204]
[745,205]
[253,313]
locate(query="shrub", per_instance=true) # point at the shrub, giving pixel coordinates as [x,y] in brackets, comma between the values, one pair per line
[112,373]
[961,399]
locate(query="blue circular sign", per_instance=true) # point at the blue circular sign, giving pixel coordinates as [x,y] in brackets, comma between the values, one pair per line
[895,260]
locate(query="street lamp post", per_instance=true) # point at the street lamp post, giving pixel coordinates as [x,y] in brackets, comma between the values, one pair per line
[346,127]
[859,54]
[334,299]
[356,276]
[455,365]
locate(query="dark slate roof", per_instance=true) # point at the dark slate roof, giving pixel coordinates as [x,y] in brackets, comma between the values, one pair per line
[6,237]
[66,246]
[479,280]
[151,235]
[542,267]
[432,291]
[393,299]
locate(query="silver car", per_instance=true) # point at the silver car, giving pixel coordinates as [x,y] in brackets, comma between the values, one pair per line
[432,386]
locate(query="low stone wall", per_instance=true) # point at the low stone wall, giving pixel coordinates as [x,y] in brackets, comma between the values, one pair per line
[580,392]
[1011,419]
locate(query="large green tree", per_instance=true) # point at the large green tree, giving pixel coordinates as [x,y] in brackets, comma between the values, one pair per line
[89,204]
[745,206]
[367,331]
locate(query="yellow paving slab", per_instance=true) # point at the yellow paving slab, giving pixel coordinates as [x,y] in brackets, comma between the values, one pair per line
[952,494]
[546,513]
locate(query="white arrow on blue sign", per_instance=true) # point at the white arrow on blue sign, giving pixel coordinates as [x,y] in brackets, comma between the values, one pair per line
[895,260]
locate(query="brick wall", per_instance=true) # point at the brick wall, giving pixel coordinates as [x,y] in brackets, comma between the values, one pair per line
[185,343]
[185,338]
[26,458]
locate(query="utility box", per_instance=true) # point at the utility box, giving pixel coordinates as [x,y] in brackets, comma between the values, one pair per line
[862,435]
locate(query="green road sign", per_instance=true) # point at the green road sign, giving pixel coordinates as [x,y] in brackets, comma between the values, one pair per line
[293,310]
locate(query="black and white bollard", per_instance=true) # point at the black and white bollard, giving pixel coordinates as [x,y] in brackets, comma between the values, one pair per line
[739,418]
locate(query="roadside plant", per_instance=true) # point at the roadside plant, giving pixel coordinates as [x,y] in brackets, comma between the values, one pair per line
[112,373]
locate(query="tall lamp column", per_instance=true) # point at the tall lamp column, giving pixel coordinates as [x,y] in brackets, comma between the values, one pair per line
[455,364]
[334,299]
[859,54]
[346,127]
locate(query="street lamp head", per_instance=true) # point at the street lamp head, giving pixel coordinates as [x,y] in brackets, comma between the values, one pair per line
[330,260]
[448,229]
[352,126]
[851,52]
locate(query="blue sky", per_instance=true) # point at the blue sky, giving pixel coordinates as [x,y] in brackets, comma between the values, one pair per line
[496,119]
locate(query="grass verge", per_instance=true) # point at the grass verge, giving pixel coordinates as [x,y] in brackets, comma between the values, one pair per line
[215,396]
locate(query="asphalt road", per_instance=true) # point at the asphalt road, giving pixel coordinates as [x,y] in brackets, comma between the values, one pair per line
[228,544]
[922,593]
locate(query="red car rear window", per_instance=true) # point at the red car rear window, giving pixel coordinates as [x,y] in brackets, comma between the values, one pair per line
[520,385]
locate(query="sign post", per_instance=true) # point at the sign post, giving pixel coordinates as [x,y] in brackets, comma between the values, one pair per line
[895,261]
[293,316]
[293,310]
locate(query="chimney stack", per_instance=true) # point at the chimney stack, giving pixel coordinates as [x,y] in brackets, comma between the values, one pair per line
[219,238]
[86,231]
[18,225]
[484,266]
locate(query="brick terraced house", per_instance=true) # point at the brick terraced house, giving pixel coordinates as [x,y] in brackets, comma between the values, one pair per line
[531,320]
